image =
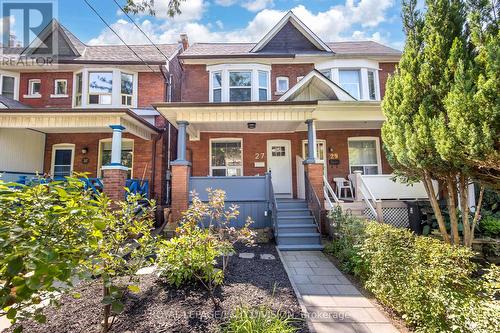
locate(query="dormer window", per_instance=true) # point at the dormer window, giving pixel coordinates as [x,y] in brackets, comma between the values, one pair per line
[105,88]
[239,83]
[282,84]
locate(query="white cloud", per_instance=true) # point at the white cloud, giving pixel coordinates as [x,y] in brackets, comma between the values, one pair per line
[256,5]
[225,3]
[335,23]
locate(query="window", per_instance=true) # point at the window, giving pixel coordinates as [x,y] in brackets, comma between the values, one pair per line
[127,154]
[364,155]
[217,87]
[349,80]
[127,88]
[263,83]
[226,157]
[62,160]
[8,84]
[60,87]
[281,84]
[371,85]
[78,89]
[100,88]
[327,73]
[240,86]
[34,86]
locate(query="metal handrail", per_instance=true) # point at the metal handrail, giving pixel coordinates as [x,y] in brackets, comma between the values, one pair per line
[313,200]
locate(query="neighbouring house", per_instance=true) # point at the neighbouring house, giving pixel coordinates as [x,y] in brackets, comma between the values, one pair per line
[288,126]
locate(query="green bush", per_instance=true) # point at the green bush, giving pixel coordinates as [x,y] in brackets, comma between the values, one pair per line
[490,225]
[258,320]
[349,235]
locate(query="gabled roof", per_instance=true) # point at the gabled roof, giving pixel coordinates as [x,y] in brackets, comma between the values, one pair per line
[363,48]
[286,21]
[315,86]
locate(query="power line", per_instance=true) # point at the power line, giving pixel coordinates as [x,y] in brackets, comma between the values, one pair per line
[137,26]
[121,39]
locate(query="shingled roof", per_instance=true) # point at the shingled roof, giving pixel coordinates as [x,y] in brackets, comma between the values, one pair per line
[362,48]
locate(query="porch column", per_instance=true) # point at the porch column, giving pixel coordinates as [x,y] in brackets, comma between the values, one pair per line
[114,175]
[311,142]
[181,171]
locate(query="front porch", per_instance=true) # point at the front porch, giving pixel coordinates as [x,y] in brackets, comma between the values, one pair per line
[113,148]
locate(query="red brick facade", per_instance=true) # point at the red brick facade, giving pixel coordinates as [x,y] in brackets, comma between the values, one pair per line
[291,71]
[195,83]
[113,180]
[151,89]
[386,68]
[180,190]
[255,144]
[47,80]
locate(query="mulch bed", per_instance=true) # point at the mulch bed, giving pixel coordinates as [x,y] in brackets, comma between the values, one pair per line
[162,308]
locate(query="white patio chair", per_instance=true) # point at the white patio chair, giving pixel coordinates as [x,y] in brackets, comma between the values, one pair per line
[343,184]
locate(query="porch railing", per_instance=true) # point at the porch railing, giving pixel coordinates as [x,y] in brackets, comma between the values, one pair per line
[93,184]
[313,202]
[138,186]
[364,193]
[330,194]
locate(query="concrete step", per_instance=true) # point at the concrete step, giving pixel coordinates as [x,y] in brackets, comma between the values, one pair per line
[307,247]
[299,238]
[295,219]
[293,212]
[285,228]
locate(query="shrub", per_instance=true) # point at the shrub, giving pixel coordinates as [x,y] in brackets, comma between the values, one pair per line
[490,225]
[258,320]
[349,235]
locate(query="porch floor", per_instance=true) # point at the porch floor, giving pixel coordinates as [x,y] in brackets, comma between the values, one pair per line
[332,303]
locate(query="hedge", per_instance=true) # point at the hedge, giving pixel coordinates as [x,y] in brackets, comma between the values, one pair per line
[430,284]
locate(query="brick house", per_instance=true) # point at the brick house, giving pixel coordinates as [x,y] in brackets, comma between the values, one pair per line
[288,126]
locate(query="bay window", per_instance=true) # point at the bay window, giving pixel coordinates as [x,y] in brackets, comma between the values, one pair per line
[8,86]
[350,80]
[226,157]
[127,88]
[364,155]
[240,86]
[239,82]
[78,89]
[371,86]
[100,88]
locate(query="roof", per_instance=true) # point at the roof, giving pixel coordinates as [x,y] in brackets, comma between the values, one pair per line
[362,48]
[11,103]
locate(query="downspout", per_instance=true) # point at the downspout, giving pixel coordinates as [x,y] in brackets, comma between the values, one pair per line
[153,161]
[168,175]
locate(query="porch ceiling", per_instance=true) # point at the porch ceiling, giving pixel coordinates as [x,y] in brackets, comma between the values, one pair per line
[85,121]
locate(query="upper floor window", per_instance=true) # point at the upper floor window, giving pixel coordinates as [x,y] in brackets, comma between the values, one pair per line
[282,84]
[351,82]
[239,83]
[60,87]
[327,73]
[105,88]
[372,95]
[8,86]
[34,87]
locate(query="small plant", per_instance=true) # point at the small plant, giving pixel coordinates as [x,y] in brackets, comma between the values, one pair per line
[261,319]
[489,225]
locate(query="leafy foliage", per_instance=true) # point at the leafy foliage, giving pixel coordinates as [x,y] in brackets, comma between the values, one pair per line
[148,6]
[489,225]
[258,320]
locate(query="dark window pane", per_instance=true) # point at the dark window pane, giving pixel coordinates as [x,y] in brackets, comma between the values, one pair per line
[93,99]
[63,156]
[240,79]
[217,95]
[240,94]
[127,84]
[262,94]
[79,83]
[8,86]
[217,80]
[219,172]
[371,84]
[371,170]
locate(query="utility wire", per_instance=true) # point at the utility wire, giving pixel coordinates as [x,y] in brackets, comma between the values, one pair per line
[137,26]
[121,39]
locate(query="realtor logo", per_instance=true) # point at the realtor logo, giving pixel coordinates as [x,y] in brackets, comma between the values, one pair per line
[22,21]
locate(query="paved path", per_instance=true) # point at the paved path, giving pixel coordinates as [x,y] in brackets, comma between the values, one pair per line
[333,304]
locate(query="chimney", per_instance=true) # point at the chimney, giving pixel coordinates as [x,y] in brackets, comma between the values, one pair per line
[185,41]
[12,40]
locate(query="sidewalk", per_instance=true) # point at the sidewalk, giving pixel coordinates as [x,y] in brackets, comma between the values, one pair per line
[333,304]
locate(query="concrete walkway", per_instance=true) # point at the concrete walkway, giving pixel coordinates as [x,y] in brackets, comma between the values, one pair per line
[333,304]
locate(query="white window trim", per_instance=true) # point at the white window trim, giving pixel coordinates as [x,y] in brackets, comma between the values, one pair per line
[224,140]
[116,100]
[226,68]
[278,78]
[30,89]
[62,146]
[325,161]
[361,83]
[55,94]
[212,89]
[16,77]
[377,145]
[99,155]
[133,88]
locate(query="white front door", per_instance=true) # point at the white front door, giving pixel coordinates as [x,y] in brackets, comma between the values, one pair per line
[279,163]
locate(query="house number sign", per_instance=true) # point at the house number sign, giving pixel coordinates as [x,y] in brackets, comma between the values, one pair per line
[259,156]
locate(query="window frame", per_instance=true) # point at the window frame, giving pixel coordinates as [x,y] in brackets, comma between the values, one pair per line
[285,78]
[100,94]
[131,96]
[100,155]
[250,87]
[360,81]
[14,92]
[62,146]
[378,153]
[376,86]
[213,88]
[211,167]
[31,94]
[55,94]
[259,87]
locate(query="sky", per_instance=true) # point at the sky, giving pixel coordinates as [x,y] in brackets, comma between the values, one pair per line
[235,20]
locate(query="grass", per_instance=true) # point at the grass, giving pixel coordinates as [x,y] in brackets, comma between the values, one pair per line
[258,320]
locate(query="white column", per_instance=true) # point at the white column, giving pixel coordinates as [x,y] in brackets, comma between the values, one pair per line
[116,145]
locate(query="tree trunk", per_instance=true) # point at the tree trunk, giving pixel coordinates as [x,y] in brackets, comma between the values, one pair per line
[476,216]
[464,207]
[107,311]
[435,206]
[452,207]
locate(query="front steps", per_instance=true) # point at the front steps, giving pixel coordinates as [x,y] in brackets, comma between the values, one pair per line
[296,228]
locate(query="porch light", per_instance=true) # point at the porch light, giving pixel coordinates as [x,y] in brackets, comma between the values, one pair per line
[85,150]
[251,125]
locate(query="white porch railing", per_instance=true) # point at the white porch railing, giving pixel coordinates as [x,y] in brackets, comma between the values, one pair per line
[363,192]
[383,187]
[330,194]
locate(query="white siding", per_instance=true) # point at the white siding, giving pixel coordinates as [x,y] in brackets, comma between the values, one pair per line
[21,151]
